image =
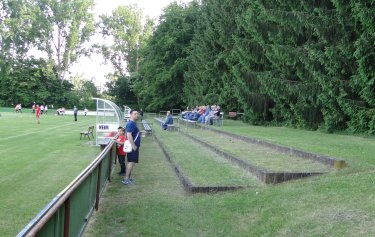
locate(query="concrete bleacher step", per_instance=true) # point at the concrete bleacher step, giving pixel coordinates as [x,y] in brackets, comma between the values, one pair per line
[203,171]
[291,165]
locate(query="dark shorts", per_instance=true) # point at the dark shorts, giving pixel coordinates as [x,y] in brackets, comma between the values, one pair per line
[133,156]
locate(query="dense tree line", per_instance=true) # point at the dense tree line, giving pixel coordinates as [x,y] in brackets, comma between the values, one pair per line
[54,29]
[306,64]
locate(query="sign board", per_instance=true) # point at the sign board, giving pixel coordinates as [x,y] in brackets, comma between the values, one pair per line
[106,127]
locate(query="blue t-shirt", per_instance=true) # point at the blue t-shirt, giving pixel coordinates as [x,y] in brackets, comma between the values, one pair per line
[169,120]
[132,127]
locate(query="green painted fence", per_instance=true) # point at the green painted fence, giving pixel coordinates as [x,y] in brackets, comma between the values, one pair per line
[68,213]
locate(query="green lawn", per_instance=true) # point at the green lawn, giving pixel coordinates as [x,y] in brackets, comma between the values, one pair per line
[202,166]
[36,162]
[259,155]
[340,203]
[358,151]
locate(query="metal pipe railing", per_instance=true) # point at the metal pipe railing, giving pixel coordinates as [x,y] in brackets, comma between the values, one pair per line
[64,197]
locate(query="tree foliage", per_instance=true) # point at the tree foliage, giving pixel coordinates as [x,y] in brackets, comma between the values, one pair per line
[66,26]
[55,28]
[307,64]
[164,59]
[31,81]
[124,29]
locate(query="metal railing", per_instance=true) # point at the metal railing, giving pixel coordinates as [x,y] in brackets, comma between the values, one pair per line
[68,213]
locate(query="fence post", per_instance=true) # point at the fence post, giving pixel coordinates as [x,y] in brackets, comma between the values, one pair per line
[98,186]
[110,164]
[67,217]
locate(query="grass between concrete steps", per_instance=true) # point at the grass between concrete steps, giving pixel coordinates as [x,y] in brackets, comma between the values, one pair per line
[337,204]
[357,150]
[202,166]
[258,155]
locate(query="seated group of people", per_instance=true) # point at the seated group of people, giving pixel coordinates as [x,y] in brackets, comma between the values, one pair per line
[60,111]
[18,108]
[202,114]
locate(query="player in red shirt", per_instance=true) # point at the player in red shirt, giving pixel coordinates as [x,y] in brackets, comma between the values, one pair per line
[120,151]
[37,114]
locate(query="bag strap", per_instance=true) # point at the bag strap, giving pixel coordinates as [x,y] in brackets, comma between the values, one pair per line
[136,137]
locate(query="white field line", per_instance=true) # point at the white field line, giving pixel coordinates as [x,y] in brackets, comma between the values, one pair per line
[47,129]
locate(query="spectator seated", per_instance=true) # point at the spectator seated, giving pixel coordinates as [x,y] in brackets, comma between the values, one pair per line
[168,126]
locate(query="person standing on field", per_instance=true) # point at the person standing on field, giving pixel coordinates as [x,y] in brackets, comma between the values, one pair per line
[120,150]
[37,114]
[133,135]
[75,112]
[41,109]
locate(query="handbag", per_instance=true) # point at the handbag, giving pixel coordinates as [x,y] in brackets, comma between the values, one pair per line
[127,146]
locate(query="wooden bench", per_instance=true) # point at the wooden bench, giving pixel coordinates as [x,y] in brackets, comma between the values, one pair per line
[87,133]
[147,127]
[169,126]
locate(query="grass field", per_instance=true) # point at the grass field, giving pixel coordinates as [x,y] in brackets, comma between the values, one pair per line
[36,162]
[341,203]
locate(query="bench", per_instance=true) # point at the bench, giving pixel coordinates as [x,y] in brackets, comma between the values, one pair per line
[147,127]
[169,126]
[219,120]
[87,133]
[188,121]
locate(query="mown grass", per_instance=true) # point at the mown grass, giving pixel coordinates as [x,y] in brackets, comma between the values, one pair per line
[36,162]
[201,165]
[337,204]
[258,155]
[358,151]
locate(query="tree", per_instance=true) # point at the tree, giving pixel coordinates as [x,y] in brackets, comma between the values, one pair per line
[84,91]
[209,79]
[163,61]
[33,80]
[121,91]
[58,28]
[124,29]
[67,26]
